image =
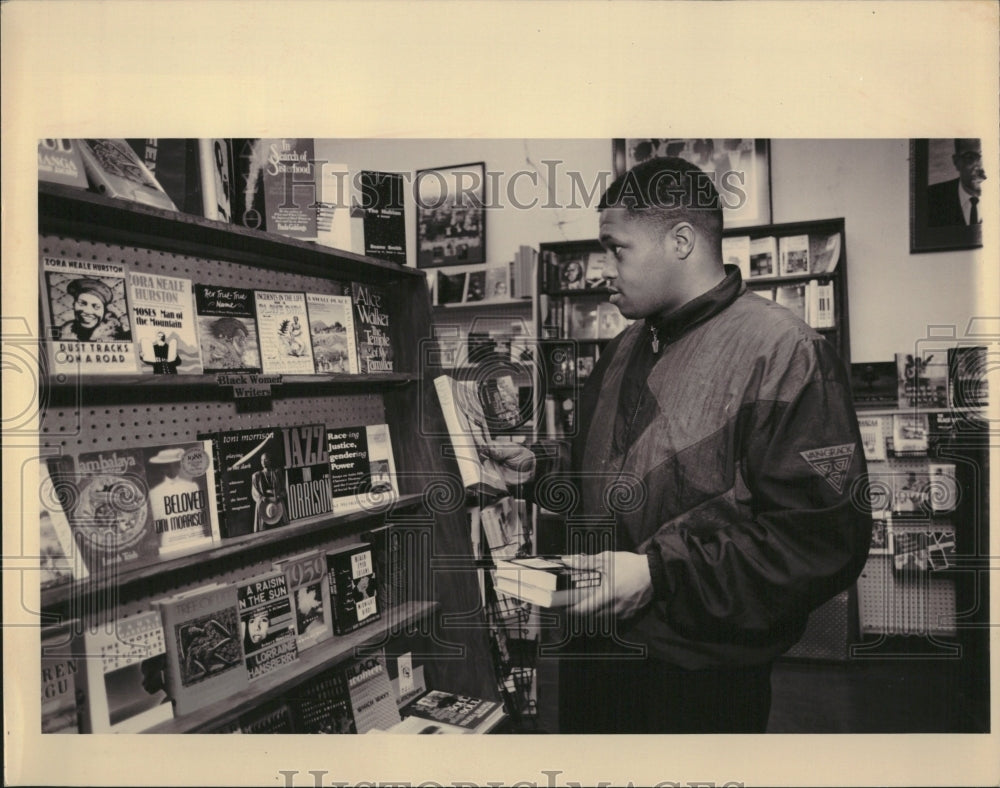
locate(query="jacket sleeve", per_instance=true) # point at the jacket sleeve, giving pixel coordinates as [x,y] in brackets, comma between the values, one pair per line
[798,529]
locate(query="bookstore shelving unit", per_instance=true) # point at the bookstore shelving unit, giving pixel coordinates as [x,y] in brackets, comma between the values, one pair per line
[107,412]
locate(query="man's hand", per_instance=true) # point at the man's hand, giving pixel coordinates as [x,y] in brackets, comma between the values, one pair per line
[516,461]
[626,587]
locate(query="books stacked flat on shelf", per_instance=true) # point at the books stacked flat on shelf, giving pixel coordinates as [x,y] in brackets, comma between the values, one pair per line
[922,379]
[164,324]
[942,487]
[872,437]
[283,333]
[362,468]
[59,560]
[250,480]
[910,493]
[909,434]
[373,703]
[371,325]
[267,626]
[182,501]
[59,161]
[124,675]
[111,518]
[793,298]
[309,592]
[307,471]
[353,587]
[227,328]
[763,257]
[86,317]
[874,383]
[289,180]
[272,717]
[204,648]
[390,564]
[331,328]
[113,169]
[322,705]
[793,255]
[824,253]
[450,711]
[736,251]
[195,173]
[61,680]
[968,368]
[468,430]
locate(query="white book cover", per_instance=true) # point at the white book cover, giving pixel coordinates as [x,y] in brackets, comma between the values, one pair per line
[86,317]
[793,255]
[872,437]
[333,212]
[467,427]
[362,468]
[164,324]
[283,332]
[331,328]
[736,251]
[216,179]
[943,490]
[823,315]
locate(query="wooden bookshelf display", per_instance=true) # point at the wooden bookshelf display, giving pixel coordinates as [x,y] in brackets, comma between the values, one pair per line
[114,411]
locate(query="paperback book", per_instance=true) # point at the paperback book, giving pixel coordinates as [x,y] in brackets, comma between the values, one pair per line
[113,169]
[307,471]
[309,592]
[353,587]
[195,173]
[59,560]
[450,287]
[583,319]
[267,626]
[390,564]
[909,434]
[473,715]
[373,704]
[824,253]
[85,317]
[227,328]
[497,282]
[911,493]
[874,383]
[793,255]
[181,483]
[763,257]
[551,573]
[204,646]
[610,321]
[793,298]
[909,550]
[62,681]
[968,369]
[164,324]
[736,251]
[572,273]
[331,328]
[124,670]
[475,286]
[372,322]
[288,171]
[59,161]
[251,480]
[322,704]
[384,220]
[923,379]
[362,468]
[504,530]
[820,309]
[543,597]
[283,333]
[469,432]
[596,262]
[942,488]
[872,437]
[272,717]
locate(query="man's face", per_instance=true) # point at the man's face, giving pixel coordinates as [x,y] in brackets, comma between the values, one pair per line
[968,160]
[641,268]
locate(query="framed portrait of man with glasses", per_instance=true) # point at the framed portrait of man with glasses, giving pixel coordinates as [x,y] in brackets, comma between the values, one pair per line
[946,178]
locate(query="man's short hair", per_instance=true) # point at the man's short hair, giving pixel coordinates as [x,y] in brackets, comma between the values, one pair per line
[666,191]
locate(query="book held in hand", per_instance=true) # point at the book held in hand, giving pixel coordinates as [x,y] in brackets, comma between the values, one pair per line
[469,432]
[551,573]
[353,587]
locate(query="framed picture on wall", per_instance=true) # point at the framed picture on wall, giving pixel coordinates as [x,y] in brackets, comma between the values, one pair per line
[740,169]
[451,220]
[946,176]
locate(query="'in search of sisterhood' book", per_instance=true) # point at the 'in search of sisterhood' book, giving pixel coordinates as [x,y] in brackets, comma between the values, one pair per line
[124,667]
[331,327]
[204,651]
[62,682]
[59,161]
[227,328]
[86,317]
[113,169]
[353,587]
[164,324]
[181,483]
[283,332]
[371,325]
[111,518]
[307,471]
[362,468]
[266,624]
[251,480]
[468,429]
[309,591]
[289,178]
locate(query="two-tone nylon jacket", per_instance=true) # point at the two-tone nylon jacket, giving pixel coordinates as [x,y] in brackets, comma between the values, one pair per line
[731,458]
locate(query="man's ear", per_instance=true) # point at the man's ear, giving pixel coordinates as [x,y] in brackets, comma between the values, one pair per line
[682,239]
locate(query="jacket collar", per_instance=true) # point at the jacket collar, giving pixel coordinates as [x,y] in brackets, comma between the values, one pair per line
[666,327]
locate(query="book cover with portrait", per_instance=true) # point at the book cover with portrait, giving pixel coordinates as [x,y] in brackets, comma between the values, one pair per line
[309,592]
[267,626]
[283,333]
[164,324]
[331,328]
[85,317]
[181,482]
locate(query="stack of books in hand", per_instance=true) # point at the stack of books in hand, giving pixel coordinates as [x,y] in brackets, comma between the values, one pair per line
[547,581]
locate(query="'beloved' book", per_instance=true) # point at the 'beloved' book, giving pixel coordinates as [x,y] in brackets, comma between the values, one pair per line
[353,587]
[181,482]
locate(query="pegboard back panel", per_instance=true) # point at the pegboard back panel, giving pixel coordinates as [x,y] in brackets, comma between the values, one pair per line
[153,424]
[913,603]
[198,269]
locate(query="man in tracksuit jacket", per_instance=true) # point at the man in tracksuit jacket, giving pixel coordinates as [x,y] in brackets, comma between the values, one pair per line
[718,435]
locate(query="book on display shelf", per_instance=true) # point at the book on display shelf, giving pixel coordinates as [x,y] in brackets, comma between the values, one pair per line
[272,717]
[736,251]
[322,704]
[283,333]
[872,437]
[968,371]
[59,161]
[227,328]
[354,598]
[373,702]
[307,471]
[195,173]
[793,255]
[467,713]
[267,625]
[763,257]
[289,183]
[362,468]
[331,328]
[824,253]
[372,320]
[181,482]
[309,592]
[164,324]
[62,686]
[793,298]
[390,564]
[250,480]
[923,379]
[910,434]
[114,170]
[874,383]
[60,561]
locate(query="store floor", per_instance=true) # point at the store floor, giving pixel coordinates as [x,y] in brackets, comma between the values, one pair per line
[861,696]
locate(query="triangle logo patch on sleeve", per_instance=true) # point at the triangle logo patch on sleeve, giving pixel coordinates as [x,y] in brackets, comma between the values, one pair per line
[832,463]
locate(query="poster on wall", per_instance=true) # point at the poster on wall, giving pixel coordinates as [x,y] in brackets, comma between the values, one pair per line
[946,177]
[739,168]
[384,219]
[451,221]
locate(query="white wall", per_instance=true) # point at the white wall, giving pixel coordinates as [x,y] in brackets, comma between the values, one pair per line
[893,295]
